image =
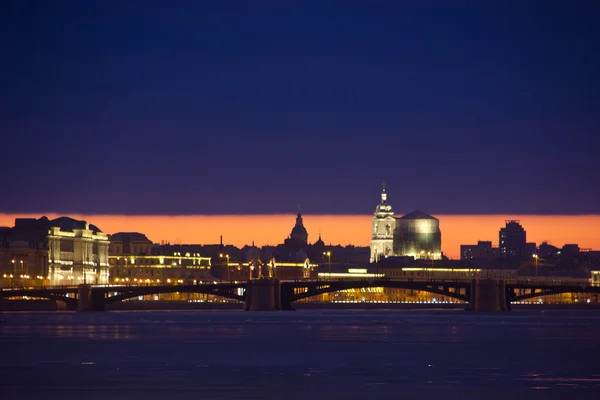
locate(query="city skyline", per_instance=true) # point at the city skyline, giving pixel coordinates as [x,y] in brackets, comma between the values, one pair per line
[239,230]
[299,199]
[208,108]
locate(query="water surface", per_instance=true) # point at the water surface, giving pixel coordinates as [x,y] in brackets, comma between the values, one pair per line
[306,354]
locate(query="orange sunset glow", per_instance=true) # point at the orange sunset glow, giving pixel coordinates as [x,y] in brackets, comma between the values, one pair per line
[240,230]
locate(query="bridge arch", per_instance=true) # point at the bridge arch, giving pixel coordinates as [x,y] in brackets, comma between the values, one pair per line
[61,295]
[551,291]
[442,289]
[136,291]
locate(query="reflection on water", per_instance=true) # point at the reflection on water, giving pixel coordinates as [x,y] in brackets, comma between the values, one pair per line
[299,355]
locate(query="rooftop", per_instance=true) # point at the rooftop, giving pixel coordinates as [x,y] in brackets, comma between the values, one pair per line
[417,214]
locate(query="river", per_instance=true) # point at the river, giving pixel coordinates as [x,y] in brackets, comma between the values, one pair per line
[306,354]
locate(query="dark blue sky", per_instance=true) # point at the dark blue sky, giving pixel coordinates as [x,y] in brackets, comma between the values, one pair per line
[174,107]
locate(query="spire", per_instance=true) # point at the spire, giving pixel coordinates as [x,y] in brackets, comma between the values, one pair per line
[383,193]
[299,213]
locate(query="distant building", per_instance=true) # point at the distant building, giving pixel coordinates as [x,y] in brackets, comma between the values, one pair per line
[570,250]
[546,250]
[298,239]
[512,240]
[529,250]
[130,243]
[481,250]
[416,234]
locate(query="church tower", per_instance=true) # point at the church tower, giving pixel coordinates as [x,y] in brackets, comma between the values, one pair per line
[382,233]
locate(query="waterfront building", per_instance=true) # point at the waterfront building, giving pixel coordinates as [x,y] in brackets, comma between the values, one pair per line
[63,251]
[415,234]
[134,259]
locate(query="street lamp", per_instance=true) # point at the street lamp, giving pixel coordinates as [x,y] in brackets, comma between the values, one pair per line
[536,264]
[328,254]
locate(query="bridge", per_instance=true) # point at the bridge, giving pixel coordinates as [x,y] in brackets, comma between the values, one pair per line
[271,294]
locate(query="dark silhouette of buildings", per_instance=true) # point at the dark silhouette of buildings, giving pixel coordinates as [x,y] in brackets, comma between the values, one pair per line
[512,240]
[481,250]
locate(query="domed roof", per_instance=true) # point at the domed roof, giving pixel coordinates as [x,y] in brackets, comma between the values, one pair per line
[417,214]
[68,224]
[299,230]
[320,242]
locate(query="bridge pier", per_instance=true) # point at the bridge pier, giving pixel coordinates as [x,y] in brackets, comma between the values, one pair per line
[263,295]
[89,299]
[488,295]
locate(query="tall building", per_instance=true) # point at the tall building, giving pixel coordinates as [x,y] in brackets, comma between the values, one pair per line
[512,240]
[415,234]
[383,225]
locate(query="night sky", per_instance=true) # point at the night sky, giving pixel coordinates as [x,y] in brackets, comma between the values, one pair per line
[174,107]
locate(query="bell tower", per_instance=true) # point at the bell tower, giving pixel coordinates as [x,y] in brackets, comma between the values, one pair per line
[382,229]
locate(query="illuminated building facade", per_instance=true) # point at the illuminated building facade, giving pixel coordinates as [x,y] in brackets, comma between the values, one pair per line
[416,234]
[382,233]
[77,253]
[63,251]
[165,268]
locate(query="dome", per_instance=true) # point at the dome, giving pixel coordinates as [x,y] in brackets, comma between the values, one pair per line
[299,230]
[416,215]
[68,224]
[320,242]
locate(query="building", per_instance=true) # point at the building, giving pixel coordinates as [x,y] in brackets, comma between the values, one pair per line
[483,249]
[384,224]
[298,239]
[135,259]
[77,253]
[63,251]
[23,256]
[416,234]
[130,243]
[513,239]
